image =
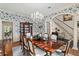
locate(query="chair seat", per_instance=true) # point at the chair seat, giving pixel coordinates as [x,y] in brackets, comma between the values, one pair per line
[39,52]
[57,54]
[58,50]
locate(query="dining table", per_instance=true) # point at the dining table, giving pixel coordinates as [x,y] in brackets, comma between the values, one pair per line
[49,46]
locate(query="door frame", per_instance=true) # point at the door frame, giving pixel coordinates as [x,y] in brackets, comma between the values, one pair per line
[11,25]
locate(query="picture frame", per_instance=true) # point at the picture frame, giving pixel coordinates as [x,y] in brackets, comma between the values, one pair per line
[67,17]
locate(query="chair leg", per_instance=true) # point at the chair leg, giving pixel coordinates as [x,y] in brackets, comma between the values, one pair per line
[23,51]
[47,54]
[50,53]
[21,47]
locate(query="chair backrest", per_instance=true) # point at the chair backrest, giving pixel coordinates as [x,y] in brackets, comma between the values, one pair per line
[31,47]
[25,41]
[53,37]
[28,35]
[45,36]
[40,35]
[67,47]
[21,38]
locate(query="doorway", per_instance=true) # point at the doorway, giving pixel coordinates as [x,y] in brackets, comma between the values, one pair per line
[7,30]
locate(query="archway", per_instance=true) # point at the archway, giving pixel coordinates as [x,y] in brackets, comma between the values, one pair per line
[75,39]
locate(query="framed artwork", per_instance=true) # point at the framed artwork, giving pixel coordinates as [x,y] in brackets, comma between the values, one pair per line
[67,17]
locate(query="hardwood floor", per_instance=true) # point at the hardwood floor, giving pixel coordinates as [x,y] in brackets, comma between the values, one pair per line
[74,52]
[8,48]
[16,44]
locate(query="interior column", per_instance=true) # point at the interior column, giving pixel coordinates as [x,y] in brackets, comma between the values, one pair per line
[75,33]
[0,30]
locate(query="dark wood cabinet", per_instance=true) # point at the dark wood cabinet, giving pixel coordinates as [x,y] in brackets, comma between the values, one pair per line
[25,27]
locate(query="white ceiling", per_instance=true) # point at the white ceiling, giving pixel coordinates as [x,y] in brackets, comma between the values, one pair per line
[28,8]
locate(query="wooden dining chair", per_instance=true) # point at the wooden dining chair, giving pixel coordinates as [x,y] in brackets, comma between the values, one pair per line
[45,36]
[25,44]
[64,52]
[34,50]
[28,35]
[53,37]
[21,37]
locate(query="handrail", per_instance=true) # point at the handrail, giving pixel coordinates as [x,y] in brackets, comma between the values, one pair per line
[64,29]
[64,23]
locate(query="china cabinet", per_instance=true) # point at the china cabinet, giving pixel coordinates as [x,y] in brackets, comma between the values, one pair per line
[25,27]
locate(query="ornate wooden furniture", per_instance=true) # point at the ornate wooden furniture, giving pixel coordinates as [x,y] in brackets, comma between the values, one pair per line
[33,50]
[45,36]
[63,52]
[49,47]
[25,27]
[54,37]
[26,45]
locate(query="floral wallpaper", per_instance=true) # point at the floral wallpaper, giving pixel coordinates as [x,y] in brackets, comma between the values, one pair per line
[73,10]
[38,22]
[8,16]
